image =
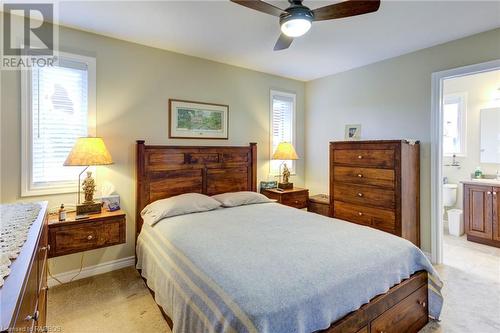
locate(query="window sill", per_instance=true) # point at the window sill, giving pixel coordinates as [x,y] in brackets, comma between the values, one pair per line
[33,192]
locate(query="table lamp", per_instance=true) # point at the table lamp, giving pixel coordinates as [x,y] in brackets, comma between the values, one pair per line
[86,152]
[285,152]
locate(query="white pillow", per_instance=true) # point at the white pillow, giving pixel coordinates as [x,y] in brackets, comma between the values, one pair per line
[178,205]
[233,199]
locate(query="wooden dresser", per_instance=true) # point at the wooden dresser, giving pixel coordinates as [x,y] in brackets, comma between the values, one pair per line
[376,183]
[23,297]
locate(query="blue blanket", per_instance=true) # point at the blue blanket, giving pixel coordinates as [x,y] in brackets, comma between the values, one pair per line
[271,268]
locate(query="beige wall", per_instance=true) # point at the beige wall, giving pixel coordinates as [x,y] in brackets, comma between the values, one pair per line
[391,99]
[134,84]
[479,90]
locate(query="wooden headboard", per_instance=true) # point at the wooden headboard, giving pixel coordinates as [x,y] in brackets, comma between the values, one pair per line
[166,171]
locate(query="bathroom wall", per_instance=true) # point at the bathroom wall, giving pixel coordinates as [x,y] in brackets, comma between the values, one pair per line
[480,90]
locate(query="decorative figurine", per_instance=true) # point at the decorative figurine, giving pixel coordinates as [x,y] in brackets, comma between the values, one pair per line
[286,174]
[88,186]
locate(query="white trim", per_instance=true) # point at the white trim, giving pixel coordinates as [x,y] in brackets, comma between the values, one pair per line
[292,95]
[27,188]
[437,148]
[89,271]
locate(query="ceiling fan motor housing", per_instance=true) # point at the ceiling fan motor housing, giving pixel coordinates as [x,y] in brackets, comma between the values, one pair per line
[297,11]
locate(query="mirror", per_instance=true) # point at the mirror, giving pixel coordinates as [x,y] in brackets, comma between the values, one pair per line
[490,135]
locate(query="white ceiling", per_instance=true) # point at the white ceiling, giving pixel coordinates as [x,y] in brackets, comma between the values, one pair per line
[232,34]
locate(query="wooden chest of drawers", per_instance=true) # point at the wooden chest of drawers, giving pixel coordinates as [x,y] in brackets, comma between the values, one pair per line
[23,297]
[376,183]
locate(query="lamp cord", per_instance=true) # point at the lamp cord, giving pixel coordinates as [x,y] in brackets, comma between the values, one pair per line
[79,271]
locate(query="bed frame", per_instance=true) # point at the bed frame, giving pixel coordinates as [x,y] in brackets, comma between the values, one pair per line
[165,171]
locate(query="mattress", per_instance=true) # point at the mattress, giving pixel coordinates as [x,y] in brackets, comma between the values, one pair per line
[271,268]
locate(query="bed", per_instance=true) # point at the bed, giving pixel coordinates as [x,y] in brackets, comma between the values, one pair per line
[267,267]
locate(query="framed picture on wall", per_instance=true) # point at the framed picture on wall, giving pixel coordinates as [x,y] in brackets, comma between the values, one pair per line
[353,132]
[197,120]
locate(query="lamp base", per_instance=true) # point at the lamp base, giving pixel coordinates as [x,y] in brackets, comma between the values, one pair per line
[285,186]
[89,208]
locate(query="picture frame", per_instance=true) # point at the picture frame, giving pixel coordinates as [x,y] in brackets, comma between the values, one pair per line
[353,132]
[197,120]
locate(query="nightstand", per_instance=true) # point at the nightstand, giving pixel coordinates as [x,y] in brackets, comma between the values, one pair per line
[97,231]
[319,204]
[295,197]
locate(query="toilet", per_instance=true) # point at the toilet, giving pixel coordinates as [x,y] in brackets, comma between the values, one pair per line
[449,195]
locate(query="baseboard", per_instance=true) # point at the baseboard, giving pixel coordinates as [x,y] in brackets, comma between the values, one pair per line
[91,270]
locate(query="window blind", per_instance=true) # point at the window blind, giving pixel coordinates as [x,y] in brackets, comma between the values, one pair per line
[59,116]
[282,126]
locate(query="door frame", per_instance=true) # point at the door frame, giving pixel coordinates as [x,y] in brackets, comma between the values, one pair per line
[437,148]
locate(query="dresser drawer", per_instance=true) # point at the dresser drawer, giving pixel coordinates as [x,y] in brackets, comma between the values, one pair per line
[409,315]
[378,218]
[383,158]
[72,238]
[297,199]
[365,176]
[364,195]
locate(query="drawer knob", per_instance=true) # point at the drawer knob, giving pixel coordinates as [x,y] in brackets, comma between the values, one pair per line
[296,201]
[360,156]
[489,193]
[423,303]
[360,175]
[494,193]
[34,316]
[360,194]
[360,213]
[90,237]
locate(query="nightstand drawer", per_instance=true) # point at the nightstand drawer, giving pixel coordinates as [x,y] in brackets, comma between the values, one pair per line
[83,236]
[297,200]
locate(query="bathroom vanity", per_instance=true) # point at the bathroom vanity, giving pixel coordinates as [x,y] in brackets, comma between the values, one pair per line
[482,211]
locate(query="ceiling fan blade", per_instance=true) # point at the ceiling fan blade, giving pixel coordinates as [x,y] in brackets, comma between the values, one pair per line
[346,9]
[260,6]
[283,42]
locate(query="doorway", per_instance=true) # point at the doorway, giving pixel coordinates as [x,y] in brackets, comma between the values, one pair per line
[449,144]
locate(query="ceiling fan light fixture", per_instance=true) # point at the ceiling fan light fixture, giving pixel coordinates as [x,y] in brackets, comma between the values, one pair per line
[297,21]
[295,27]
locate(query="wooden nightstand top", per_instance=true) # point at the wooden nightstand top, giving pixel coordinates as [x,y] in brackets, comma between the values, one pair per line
[293,190]
[70,217]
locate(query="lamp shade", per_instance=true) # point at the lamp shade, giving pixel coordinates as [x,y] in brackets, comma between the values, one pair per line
[88,151]
[285,151]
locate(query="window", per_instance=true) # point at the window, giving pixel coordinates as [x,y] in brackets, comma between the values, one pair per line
[454,124]
[282,126]
[58,107]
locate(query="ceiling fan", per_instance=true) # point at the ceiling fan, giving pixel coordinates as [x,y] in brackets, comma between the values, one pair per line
[296,20]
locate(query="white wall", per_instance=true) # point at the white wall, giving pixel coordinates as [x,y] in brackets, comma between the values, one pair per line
[479,89]
[134,84]
[391,99]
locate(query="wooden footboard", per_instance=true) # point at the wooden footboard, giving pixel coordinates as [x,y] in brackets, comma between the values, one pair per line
[404,308]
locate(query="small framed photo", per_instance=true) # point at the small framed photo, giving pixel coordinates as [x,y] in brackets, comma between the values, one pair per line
[197,120]
[353,132]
